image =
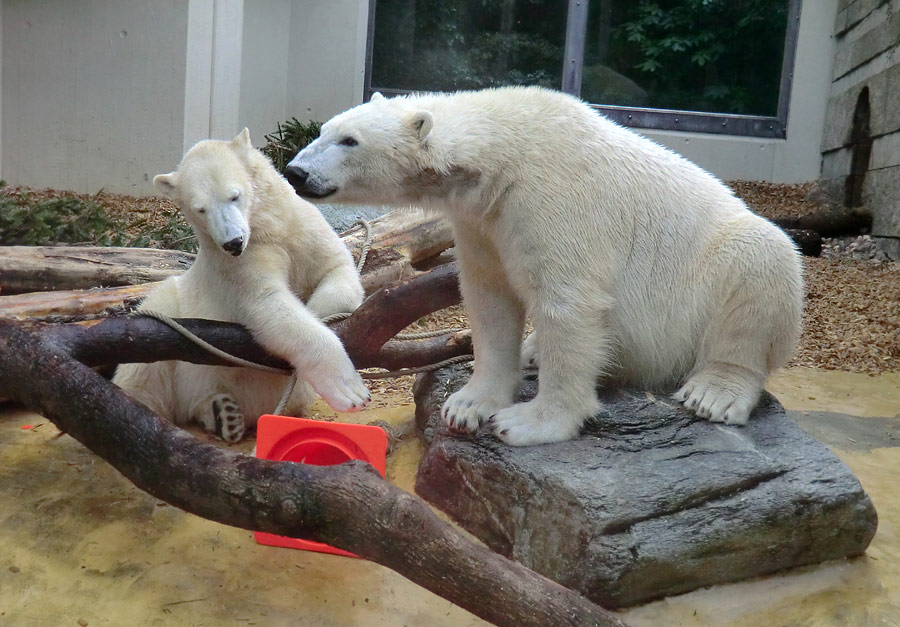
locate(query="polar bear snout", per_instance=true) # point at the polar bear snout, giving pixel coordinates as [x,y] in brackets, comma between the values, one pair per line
[296,176]
[234,246]
[305,185]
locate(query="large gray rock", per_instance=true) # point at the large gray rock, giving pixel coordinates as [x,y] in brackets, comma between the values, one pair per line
[649,501]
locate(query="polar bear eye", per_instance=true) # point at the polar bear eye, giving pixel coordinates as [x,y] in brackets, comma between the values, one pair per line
[201,210]
[348,141]
[235,196]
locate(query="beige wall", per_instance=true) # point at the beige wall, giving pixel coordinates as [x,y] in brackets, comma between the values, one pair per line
[326,60]
[92,92]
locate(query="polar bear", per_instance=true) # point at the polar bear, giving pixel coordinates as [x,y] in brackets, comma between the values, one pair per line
[631,262]
[267,260]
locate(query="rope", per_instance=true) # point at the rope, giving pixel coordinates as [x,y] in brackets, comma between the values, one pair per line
[367,243]
[292,383]
[407,371]
[207,346]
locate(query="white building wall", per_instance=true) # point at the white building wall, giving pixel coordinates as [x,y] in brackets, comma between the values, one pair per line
[265,67]
[92,92]
[326,59]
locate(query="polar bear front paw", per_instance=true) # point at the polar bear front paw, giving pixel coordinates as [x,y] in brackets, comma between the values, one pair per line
[468,408]
[223,418]
[341,387]
[716,401]
[524,424]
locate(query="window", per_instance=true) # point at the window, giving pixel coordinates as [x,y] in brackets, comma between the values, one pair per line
[719,66]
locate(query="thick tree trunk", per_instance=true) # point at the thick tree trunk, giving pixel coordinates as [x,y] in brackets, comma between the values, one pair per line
[67,304]
[348,506]
[366,334]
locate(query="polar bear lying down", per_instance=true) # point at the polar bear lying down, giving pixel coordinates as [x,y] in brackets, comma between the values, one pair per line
[632,263]
[267,260]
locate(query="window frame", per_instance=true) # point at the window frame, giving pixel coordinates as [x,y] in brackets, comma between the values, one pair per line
[645,117]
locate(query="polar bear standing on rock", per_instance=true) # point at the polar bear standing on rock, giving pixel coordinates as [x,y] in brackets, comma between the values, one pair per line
[632,262]
[267,260]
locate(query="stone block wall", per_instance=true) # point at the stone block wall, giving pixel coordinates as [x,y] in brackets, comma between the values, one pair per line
[861,139]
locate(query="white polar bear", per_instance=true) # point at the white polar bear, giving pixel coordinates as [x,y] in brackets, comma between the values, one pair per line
[631,262]
[264,252]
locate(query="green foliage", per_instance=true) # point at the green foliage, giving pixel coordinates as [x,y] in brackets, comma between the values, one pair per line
[705,55]
[446,45]
[174,234]
[702,55]
[288,139]
[26,220]
[29,222]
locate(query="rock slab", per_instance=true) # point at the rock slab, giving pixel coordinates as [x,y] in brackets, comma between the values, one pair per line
[650,501]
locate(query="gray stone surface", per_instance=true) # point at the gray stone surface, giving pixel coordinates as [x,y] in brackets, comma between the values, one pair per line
[649,501]
[342,217]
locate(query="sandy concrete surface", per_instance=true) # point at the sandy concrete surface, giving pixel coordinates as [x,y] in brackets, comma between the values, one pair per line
[79,545]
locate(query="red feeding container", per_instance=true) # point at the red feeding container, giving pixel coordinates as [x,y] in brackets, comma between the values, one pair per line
[319,443]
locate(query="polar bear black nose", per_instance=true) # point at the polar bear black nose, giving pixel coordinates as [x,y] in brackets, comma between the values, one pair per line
[296,176]
[235,246]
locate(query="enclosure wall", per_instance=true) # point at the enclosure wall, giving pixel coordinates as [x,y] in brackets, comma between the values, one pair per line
[862,130]
[104,94]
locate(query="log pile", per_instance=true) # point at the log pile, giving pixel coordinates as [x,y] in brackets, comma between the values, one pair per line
[78,283]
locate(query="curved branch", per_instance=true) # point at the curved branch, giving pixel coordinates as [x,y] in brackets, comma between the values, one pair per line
[348,506]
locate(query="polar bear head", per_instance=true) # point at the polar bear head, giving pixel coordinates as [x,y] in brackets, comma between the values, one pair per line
[364,155]
[213,187]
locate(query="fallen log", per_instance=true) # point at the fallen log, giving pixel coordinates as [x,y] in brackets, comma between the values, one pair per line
[43,268]
[809,243]
[73,304]
[400,241]
[349,505]
[404,243]
[832,223]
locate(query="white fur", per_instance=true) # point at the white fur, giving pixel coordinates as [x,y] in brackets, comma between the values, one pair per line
[290,256]
[631,262]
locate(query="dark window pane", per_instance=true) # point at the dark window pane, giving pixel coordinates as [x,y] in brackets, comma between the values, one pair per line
[721,56]
[446,45]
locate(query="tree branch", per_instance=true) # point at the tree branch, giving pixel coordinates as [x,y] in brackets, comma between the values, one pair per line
[349,506]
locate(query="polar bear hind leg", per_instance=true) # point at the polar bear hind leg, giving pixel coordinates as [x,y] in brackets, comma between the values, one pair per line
[220,415]
[754,333]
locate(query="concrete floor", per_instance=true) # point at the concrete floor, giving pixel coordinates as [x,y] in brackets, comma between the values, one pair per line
[79,545]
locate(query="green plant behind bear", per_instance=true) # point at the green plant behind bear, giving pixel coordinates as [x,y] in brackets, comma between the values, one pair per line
[288,139]
[28,221]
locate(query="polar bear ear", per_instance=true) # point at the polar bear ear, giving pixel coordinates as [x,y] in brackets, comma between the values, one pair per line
[242,139]
[166,184]
[421,122]
[376,97]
